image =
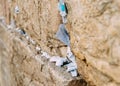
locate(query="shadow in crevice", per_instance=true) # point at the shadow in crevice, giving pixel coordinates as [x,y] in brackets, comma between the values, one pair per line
[80,82]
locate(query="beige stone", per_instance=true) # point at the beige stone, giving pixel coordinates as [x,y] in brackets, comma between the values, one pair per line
[21,66]
[94,28]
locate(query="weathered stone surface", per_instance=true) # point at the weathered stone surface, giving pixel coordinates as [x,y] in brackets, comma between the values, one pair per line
[94,28]
[20,66]
[95,39]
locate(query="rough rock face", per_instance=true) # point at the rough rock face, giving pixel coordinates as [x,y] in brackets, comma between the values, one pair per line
[95,39]
[22,66]
[94,28]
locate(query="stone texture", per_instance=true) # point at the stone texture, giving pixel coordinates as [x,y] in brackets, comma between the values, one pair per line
[21,66]
[95,40]
[94,31]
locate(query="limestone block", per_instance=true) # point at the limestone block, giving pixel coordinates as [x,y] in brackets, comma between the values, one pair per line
[95,39]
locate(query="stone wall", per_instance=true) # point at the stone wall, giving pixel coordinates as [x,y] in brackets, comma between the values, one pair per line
[95,39]
[94,31]
[21,65]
